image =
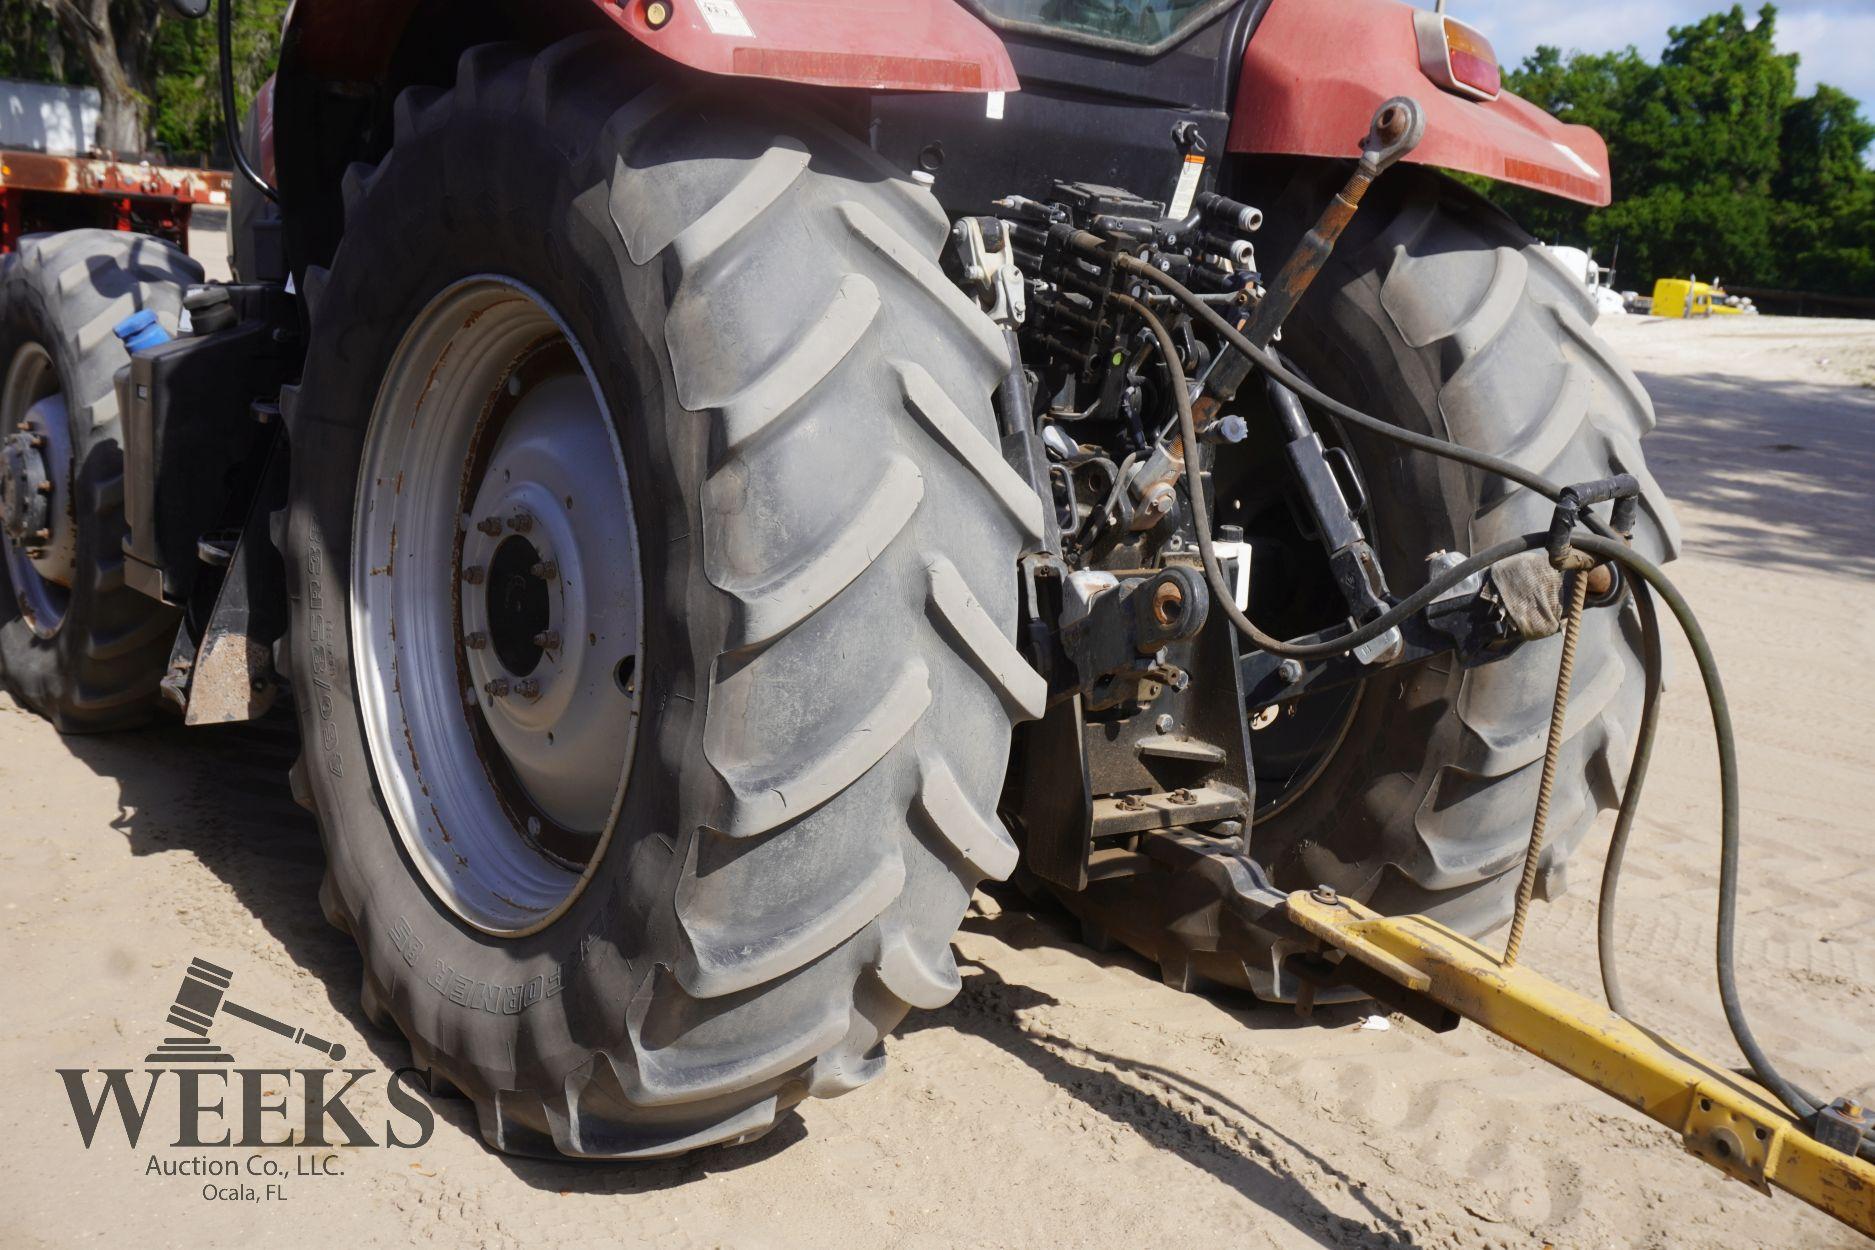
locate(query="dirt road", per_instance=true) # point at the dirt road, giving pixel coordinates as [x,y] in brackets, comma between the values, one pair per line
[1065,1097]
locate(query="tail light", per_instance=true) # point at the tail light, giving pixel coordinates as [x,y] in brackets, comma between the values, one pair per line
[1457,57]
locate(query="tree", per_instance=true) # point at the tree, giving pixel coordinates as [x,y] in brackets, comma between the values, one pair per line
[114,39]
[1719,167]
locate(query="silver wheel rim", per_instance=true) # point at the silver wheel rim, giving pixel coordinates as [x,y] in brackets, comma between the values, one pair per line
[497,606]
[36,446]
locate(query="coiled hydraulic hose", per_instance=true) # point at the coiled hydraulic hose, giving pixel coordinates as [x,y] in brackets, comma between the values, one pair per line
[1603,544]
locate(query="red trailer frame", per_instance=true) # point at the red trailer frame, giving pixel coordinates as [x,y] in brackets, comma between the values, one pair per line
[43,192]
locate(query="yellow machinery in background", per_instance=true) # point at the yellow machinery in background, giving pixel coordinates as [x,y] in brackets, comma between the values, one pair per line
[1689,297]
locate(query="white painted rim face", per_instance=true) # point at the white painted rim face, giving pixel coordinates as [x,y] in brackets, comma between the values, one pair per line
[497,606]
[33,423]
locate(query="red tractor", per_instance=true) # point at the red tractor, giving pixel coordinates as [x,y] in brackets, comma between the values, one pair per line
[716,479]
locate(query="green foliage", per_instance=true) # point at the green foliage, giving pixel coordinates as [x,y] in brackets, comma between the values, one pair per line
[187,112]
[185,99]
[1719,167]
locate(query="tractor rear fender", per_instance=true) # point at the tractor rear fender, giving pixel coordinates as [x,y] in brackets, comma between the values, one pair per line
[910,45]
[1314,73]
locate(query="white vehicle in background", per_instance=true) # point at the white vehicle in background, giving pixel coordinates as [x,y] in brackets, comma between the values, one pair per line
[1599,279]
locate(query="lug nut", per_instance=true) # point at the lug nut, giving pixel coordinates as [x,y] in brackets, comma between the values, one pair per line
[473,575]
[45,488]
[527,688]
[546,571]
[498,688]
[490,525]
[476,641]
[521,523]
[547,640]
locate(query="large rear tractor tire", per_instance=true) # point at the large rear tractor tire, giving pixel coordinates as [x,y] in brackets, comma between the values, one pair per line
[77,645]
[1442,315]
[651,564]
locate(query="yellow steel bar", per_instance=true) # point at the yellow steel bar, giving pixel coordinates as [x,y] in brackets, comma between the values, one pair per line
[1731,1122]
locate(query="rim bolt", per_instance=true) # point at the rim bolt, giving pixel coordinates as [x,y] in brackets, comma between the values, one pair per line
[547,640]
[546,571]
[527,688]
[521,523]
[37,442]
[42,535]
[490,525]
[476,641]
[498,688]
[45,488]
[473,575]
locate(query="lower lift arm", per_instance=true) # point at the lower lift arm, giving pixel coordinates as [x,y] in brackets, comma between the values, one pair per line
[1728,1120]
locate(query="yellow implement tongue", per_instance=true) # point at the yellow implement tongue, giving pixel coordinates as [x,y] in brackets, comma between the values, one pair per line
[1728,1120]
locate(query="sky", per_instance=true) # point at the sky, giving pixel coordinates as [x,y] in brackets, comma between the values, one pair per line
[1835,38]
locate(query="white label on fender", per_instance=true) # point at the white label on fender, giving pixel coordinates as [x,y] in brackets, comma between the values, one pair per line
[724,17]
[993,106]
[1187,186]
[1575,158]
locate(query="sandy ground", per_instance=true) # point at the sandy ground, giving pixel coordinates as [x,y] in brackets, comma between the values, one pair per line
[1065,1097]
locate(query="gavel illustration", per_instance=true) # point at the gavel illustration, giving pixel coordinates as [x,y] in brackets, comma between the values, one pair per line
[204,993]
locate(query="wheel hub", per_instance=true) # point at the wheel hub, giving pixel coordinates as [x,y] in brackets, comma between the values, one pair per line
[25,491]
[38,527]
[496,597]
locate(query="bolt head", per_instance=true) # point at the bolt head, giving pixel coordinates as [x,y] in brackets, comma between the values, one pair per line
[545,570]
[490,525]
[1164,724]
[498,688]
[527,688]
[1290,671]
[44,488]
[521,523]
[1326,894]
[473,574]
[476,641]
[547,640]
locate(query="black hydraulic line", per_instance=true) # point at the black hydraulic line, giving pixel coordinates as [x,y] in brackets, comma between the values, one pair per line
[1223,594]
[230,124]
[1602,544]
[1653,663]
[1802,1106]
[1269,363]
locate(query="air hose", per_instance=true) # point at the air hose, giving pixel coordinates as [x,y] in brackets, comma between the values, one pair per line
[1647,577]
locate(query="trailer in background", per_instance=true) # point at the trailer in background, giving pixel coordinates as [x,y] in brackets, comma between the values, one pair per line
[51,177]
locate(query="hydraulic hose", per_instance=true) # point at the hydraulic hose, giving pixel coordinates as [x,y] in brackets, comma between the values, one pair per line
[230,118]
[1225,597]
[1602,544]
[1269,363]
[1652,662]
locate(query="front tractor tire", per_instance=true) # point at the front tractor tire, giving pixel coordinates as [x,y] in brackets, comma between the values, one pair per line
[77,645]
[650,563]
